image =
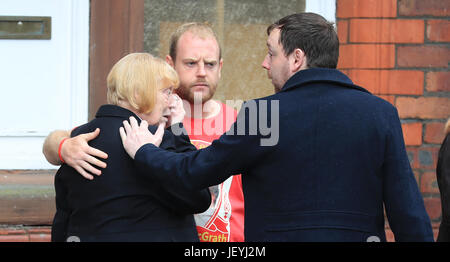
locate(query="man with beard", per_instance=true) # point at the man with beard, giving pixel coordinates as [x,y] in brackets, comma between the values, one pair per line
[339,164]
[195,55]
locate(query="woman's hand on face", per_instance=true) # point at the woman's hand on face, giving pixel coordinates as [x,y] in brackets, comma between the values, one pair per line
[176,108]
[134,135]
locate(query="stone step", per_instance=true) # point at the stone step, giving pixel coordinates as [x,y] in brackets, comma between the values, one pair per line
[27,197]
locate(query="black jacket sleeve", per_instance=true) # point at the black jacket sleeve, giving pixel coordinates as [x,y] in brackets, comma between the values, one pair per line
[173,194]
[61,219]
[233,153]
[443,179]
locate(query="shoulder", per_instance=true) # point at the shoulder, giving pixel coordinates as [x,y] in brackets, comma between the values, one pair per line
[106,124]
[81,129]
[228,109]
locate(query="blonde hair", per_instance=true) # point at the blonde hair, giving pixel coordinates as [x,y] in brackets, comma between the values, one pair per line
[136,79]
[201,30]
[447,127]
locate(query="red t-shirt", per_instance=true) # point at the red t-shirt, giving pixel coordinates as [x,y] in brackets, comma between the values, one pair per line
[224,220]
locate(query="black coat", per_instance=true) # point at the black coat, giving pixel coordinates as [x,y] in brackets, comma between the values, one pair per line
[339,160]
[443,179]
[121,205]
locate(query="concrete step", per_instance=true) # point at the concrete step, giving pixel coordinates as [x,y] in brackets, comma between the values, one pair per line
[27,197]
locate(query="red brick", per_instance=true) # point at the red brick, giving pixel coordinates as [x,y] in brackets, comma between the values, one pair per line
[417,176]
[438,30]
[40,237]
[412,134]
[342,30]
[413,155]
[366,8]
[423,56]
[423,157]
[386,31]
[390,99]
[424,7]
[400,82]
[39,230]
[433,207]
[428,183]
[434,133]
[423,107]
[367,56]
[428,157]
[14,238]
[12,231]
[438,81]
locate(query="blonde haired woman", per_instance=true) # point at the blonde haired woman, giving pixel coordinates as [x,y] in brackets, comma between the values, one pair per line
[120,205]
[443,179]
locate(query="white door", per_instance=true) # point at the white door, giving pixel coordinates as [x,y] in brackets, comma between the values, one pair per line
[43,83]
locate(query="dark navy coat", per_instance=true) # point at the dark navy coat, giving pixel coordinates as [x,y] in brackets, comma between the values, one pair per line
[121,205]
[339,161]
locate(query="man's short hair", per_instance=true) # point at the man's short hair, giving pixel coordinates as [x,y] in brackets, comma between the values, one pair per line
[201,30]
[136,79]
[312,34]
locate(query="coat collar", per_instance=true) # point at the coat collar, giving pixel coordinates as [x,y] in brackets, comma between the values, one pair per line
[317,75]
[115,111]
[120,112]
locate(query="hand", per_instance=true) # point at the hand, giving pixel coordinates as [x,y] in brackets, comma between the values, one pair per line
[176,110]
[77,153]
[134,136]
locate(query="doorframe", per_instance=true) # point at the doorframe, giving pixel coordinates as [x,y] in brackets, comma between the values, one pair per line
[117,29]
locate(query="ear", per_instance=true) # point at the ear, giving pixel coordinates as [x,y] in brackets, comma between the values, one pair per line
[298,60]
[170,61]
[220,67]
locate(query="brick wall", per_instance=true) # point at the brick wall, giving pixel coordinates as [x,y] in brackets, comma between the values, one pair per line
[400,51]
[397,49]
[25,233]
[27,205]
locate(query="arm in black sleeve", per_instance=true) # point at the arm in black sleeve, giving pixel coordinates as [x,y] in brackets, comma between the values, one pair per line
[61,219]
[443,179]
[180,139]
[233,153]
[403,201]
[173,194]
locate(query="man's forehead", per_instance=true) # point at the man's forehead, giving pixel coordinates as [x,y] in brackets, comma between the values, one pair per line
[195,59]
[274,37]
[198,44]
[189,37]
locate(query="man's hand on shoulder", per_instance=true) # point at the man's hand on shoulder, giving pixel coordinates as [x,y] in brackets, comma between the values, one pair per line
[77,153]
[59,148]
[134,135]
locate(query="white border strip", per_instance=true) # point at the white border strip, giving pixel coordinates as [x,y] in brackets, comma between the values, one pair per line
[326,8]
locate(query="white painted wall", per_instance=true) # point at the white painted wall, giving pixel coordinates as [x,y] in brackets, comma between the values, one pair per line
[43,83]
[326,8]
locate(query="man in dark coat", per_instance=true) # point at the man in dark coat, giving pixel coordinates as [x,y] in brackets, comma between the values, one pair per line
[334,160]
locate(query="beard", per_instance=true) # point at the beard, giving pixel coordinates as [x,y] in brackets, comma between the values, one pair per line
[186,92]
